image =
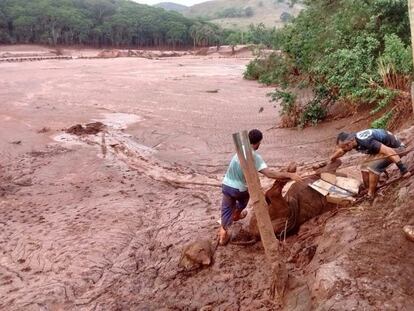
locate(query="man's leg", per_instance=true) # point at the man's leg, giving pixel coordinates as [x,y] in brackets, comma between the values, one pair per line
[365,171]
[365,178]
[373,181]
[376,168]
[227,205]
[242,200]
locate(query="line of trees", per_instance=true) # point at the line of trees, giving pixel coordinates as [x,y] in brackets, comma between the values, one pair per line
[101,23]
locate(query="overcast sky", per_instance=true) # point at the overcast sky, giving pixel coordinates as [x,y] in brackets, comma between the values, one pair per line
[184,2]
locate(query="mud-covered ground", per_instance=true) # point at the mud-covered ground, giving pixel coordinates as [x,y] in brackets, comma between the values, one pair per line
[98,222]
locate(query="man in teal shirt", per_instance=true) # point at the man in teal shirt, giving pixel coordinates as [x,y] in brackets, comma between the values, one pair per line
[234,188]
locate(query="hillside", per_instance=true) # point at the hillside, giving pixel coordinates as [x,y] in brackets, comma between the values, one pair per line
[171,6]
[97,23]
[242,13]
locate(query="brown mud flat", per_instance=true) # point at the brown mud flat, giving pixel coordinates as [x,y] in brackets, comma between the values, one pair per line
[99,221]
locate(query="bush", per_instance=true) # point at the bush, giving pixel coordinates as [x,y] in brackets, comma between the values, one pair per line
[290,111]
[382,123]
[397,54]
[292,114]
[348,70]
[288,101]
[377,95]
[254,70]
[313,113]
[358,51]
[395,63]
[275,69]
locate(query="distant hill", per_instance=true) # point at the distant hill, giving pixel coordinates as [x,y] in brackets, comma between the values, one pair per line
[242,13]
[171,6]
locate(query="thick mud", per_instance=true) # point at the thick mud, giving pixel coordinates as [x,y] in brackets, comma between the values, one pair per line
[103,220]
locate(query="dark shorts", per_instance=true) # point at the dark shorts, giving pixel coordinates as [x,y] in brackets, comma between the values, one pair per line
[232,198]
[378,166]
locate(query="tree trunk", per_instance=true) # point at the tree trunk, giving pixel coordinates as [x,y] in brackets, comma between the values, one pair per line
[411,15]
[54,34]
[270,243]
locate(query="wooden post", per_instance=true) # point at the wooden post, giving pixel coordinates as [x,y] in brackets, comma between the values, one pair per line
[411,16]
[270,243]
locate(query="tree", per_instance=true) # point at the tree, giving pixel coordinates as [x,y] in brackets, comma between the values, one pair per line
[176,33]
[100,22]
[233,39]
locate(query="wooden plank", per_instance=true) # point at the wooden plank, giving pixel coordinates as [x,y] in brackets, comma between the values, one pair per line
[411,19]
[341,193]
[269,241]
[412,94]
[321,186]
[348,184]
[329,177]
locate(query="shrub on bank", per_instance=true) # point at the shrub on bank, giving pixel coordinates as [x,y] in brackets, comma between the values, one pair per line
[359,53]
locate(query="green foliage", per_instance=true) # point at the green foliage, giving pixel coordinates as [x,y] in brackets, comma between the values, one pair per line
[313,113]
[259,34]
[356,50]
[255,69]
[100,22]
[382,123]
[348,69]
[294,115]
[396,55]
[274,69]
[287,101]
[383,97]
[233,12]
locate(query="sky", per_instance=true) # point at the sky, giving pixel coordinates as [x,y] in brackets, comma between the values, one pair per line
[184,2]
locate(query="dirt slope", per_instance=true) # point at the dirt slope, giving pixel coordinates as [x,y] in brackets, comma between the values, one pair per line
[267,12]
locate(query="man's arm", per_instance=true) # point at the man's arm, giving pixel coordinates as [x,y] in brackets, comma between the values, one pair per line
[279,175]
[338,153]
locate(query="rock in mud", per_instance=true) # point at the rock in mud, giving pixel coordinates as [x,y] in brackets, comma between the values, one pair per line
[409,232]
[196,255]
[89,129]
